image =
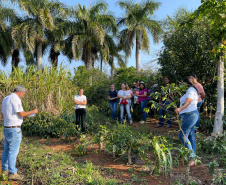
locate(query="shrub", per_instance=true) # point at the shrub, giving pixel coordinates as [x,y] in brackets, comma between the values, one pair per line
[47,126]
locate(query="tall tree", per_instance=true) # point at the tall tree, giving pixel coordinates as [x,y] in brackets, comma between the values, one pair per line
[6,44]
[215,10]
[87,38]
[139,22]
[31,29]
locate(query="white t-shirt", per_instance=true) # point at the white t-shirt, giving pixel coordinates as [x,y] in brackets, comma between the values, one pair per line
[80,98]
[11,105]
[125,93]
[192,94]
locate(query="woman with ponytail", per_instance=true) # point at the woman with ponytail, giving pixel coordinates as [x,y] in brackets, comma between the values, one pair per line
[189,115]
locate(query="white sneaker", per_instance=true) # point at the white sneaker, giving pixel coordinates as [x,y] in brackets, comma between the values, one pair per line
[142,122]
[130,122]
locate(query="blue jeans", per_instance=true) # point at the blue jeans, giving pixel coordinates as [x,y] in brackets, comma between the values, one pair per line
[13,137]
[143,104]
[127,107]
[113,106]
[187,134]
[164,110]
[198,107]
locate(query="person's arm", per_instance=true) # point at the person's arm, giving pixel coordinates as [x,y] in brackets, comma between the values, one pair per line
[187,103]
[119,96]
[203,95]
[80,102]
[143,95]
[26,114]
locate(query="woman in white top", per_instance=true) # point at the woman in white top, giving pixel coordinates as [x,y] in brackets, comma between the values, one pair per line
[189,115]
[124,96]
[80,112]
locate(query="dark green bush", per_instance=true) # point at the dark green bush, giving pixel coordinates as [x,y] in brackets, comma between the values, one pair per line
[47,126]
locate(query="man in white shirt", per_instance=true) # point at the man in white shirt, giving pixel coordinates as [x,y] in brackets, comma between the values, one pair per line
[80,101]
[13,114]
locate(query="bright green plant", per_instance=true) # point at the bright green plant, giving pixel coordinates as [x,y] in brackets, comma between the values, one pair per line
[81,148]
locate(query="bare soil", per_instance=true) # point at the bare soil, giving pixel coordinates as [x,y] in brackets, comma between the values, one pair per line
[117,167]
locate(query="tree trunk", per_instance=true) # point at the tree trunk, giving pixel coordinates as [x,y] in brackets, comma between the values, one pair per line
[101,63]
[89,61]
[39,55]
[54,57]
[138,52]
[112,71]
[218,122]
[15,58]
[129,156]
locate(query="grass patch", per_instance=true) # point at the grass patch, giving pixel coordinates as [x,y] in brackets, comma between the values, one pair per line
[44,166]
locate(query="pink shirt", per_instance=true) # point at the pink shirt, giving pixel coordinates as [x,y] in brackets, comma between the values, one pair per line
[200,89]
[141,93]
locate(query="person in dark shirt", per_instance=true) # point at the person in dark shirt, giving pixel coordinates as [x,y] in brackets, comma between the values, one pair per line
[165,110]
[113,101]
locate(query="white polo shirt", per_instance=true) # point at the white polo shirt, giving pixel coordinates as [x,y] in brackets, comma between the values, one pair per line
[11,105]
[80,98]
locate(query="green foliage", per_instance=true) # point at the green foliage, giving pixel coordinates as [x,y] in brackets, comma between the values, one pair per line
[193,47]
[47,167]
[50,91]
[129,75]
[212,145]
[121,139]
[81,148]
[163,156]
[47,126]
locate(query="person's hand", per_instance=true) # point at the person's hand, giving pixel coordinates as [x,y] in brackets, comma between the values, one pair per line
[177,110]
[35,111]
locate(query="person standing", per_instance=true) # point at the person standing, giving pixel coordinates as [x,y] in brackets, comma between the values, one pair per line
[13,114]
[113,101]
[81,102]
[143,101]
[201,92]
[135,90]
[124,96]
[189,115]
[165,110]
[132,99]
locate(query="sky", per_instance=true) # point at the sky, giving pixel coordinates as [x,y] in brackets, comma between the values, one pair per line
[167,7]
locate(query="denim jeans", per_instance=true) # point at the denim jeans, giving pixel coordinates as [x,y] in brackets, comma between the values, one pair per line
[198,107]
[13,137]
[164,110]
[113,106]
[187,134]
[143,104]
[127,107]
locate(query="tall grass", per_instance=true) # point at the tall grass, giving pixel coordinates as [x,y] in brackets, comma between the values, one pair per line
[50,90]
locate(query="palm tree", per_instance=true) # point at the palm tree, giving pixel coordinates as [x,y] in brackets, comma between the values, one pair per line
[6,44]
[138,22]
[31,29]
[87,38]
[114,53]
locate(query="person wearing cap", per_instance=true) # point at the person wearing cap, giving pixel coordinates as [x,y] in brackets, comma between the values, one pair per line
[143,101]
[201,92]
[13,114]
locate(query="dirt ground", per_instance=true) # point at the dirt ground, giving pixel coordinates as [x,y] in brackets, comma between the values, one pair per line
[117,168]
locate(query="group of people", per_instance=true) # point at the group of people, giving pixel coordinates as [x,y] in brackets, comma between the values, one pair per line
[127,98]
[190,103]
